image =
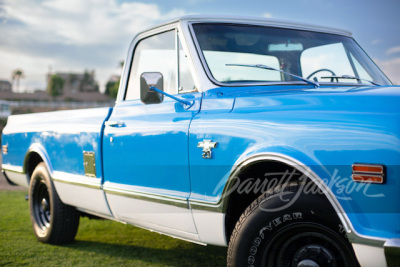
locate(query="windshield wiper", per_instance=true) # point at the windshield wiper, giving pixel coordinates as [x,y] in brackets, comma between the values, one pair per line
[261,66]
[350,77]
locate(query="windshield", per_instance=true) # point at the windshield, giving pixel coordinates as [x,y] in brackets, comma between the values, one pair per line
[311,55]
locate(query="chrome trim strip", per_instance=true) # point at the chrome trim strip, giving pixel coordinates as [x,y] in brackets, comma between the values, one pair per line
[157,198]
[13,168]
[207,206]
[74,179]
[394,243]
[221,205]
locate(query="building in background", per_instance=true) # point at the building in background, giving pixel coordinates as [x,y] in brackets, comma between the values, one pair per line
[5,86]
[76,82]
[73,90]
[72,86]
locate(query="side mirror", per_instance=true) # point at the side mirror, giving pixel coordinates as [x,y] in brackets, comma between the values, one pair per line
[148,80]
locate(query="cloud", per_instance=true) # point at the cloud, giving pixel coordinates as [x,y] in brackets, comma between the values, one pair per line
[192,2]
[376,41]
[393,50]
[71,35]
[267,15]
[86,22]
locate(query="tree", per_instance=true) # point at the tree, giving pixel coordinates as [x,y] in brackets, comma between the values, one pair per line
[55,85]
[112,89]
[17,75]
[88,81]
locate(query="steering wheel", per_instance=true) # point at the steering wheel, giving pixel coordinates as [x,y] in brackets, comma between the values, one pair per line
[328,70]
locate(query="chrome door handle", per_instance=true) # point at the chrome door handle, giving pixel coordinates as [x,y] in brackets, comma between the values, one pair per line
[115,123]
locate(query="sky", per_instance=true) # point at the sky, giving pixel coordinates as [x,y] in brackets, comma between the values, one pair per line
[77,35]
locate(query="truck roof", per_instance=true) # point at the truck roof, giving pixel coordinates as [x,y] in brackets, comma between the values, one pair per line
[252,21]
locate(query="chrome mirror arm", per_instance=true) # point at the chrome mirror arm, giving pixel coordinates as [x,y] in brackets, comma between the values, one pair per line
[184,102]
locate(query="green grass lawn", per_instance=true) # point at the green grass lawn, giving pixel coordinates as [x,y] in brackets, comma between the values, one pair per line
[98,242]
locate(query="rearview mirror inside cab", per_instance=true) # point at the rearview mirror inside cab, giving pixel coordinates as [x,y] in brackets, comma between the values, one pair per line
[147,80]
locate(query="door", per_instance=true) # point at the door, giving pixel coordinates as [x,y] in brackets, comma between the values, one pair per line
[145,146]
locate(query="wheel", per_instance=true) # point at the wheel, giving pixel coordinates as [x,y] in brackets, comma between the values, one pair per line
[53,222]
[290,228]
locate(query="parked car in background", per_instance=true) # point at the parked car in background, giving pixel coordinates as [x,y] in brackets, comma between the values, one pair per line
[279,140]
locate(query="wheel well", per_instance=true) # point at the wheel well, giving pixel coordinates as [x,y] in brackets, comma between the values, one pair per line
[32,161]
[255,180]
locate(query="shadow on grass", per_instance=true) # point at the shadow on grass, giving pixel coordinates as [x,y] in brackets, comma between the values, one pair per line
[188,254]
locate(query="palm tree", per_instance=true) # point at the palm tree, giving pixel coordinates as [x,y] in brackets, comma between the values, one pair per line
[17,74]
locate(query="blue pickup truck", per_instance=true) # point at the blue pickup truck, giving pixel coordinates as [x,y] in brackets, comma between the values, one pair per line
[276,139]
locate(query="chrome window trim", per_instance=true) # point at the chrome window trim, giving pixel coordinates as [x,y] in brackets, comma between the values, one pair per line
[129,58]
[183,25]
[206,69]
[177,76]
[201,80]
[199,73]
[179,32]
[253,21]
[185,46]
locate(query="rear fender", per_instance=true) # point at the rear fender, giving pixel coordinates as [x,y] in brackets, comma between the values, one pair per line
[41,151]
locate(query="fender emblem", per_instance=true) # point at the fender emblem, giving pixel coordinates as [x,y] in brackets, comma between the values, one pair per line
[207,145]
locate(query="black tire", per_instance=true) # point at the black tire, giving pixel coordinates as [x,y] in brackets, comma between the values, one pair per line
[273,233]
[53,222]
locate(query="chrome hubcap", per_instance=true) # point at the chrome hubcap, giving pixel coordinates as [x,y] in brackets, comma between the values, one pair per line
[307,263]
[45,204]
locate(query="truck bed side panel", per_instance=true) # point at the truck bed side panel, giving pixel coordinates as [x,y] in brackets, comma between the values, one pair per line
[61,138]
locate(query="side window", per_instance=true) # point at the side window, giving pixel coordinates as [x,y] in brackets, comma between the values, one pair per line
[154,54]
[186,83]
